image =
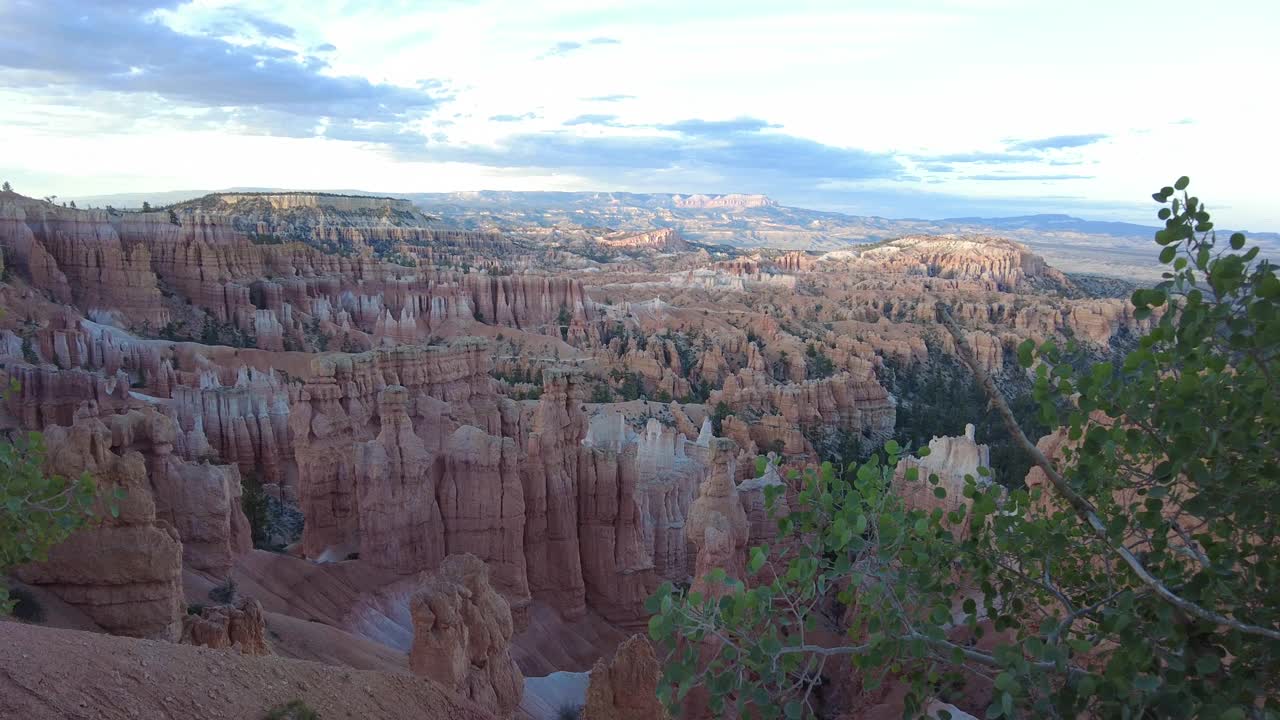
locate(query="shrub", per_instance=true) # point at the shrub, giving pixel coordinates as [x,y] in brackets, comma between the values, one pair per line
[292,710]
[601,394]
[225,593]
[254,502]
[722,411]
[26,606]
[38,511]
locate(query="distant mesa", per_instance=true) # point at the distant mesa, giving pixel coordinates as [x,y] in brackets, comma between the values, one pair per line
[299,200]
[734,201]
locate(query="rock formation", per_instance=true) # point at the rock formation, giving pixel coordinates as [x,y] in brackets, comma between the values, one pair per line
[404,392]
[462,635]
[952,460]
[717,524]
[124,569]
[626,687]
[550,476]
[734,200]
[483,509]
[240,626]
[401,527]
[1003,264]
[665,239]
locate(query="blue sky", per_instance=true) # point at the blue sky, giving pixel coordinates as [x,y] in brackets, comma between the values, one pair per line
[922,109]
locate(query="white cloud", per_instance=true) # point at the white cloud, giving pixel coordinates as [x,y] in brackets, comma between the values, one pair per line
[916,80]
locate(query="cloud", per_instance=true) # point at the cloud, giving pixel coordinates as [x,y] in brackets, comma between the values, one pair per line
[1058,142]
[1024,151]
[513,118]
[565,47]
[609,98]
[125,47]
[592,119]
[235,21]
[385,133]
[937,167]
[979,157]
[712,128]
[1029,177]
[734,153]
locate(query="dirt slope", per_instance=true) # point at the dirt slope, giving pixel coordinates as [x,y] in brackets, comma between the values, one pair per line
[47,673]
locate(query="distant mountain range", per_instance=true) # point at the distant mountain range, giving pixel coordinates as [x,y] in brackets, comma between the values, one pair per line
[1073,244]
[1065,223]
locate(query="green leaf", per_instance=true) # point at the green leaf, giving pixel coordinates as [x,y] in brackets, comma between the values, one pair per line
[793,710]
[1168,254]
[1182,183]
[1025,350]
[1146,683]
[656,628]
[1206,664]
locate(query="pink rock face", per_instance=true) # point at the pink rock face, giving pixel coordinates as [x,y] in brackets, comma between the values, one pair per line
[124,572]
[852,400]
[240,626]
[324,439]
[337,411]
[462,635]
[530,302]
[617,566]
[550,476]
[401,527]
[626,687]
[82,258]
[719,494]
[717,524]
[482,503]
[201,501]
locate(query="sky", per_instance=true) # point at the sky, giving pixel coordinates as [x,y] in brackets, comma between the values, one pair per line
[897,108]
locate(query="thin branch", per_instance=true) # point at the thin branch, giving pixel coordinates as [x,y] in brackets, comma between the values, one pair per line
[1083,507]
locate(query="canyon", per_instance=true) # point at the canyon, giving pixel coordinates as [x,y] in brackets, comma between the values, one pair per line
[352,438]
